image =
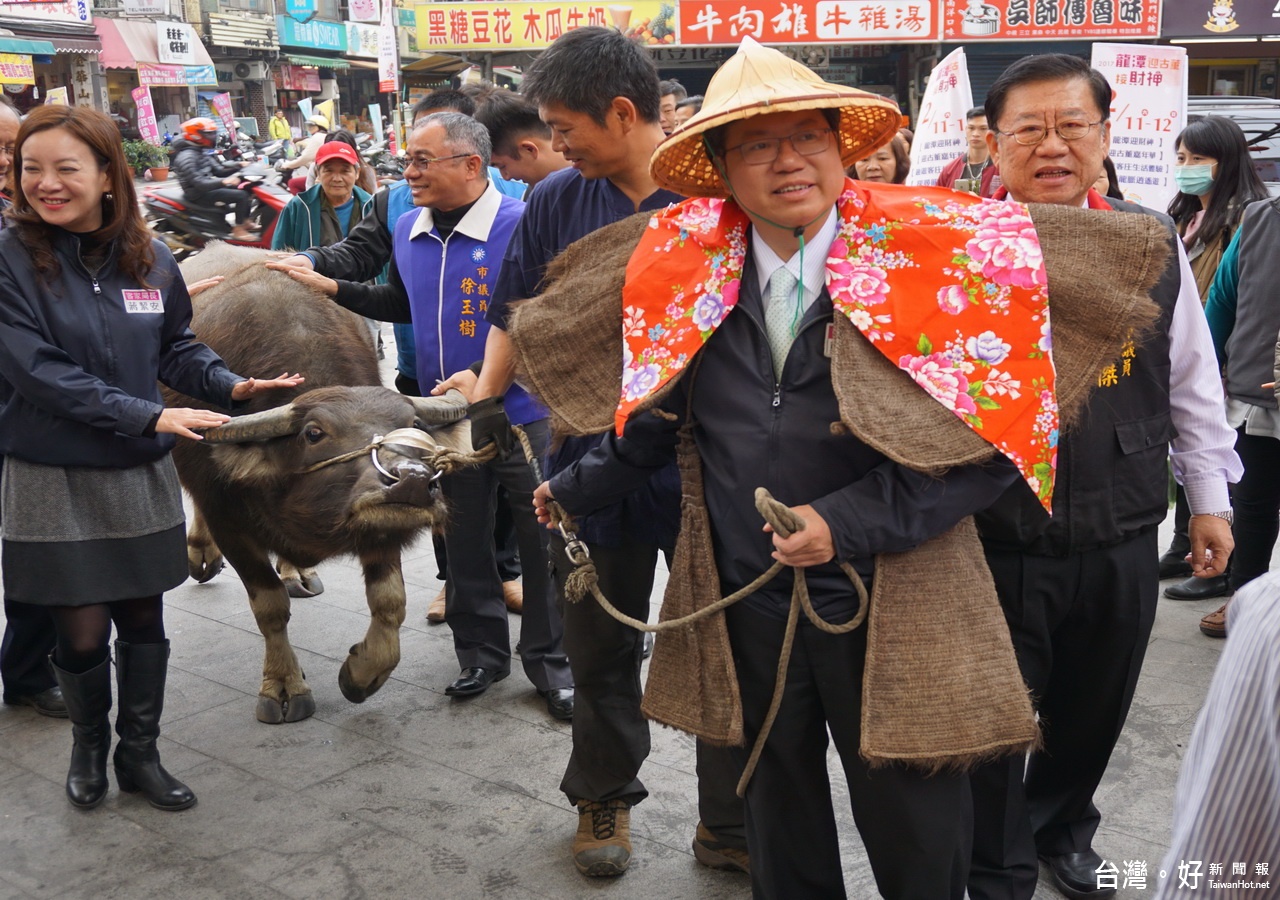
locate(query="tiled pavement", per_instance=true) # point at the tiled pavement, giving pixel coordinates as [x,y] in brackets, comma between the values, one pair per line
[414,795]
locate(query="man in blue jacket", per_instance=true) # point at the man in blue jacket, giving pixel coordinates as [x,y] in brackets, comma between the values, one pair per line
[444,264]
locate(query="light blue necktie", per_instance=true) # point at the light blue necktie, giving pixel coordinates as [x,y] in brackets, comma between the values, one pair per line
[780,315]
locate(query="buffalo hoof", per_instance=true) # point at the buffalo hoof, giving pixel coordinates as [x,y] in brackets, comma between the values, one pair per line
[358,693]
[304,586]
[203,570]
[294,709]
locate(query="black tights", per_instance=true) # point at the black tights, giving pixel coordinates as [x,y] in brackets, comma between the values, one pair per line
[84,632]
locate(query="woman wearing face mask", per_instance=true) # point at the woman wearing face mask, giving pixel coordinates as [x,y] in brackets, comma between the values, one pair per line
[1216,180]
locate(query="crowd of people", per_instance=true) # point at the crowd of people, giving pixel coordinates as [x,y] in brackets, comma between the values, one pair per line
[1013,493]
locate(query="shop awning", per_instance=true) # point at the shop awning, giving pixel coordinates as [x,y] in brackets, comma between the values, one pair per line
[26,47]
[126,45]
[76,45]
[437,63]
[362,64]
[327,62]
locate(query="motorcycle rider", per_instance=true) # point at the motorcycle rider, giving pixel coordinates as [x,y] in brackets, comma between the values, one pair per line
[204,181]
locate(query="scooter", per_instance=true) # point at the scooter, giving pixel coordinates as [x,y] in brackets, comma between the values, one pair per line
[186,227]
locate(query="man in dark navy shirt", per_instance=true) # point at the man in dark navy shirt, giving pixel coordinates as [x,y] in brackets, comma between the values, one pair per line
[599,93]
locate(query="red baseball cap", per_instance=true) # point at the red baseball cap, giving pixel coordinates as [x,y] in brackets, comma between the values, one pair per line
[337,150]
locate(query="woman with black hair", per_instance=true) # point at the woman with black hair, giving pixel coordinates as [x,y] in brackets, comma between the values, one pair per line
[1216,181]
[93,312]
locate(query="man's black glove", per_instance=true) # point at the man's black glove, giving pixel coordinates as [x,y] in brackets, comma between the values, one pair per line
[489,425]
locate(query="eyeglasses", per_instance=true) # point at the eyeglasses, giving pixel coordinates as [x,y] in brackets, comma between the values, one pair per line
[1030,135]
[763,151]
[8,149]
[422,163]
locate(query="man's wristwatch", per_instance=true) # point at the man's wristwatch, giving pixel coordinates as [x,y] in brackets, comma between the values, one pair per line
[1229,515]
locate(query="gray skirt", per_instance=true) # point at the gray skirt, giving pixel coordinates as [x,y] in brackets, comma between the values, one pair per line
[74,536]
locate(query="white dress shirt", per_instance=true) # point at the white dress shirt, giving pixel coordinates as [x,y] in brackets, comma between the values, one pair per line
[812,276]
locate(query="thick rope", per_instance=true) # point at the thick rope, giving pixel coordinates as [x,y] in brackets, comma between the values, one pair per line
[785,522]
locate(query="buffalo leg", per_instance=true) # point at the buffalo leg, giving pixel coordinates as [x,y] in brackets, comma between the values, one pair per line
[300,582]
[204,559]
[371,662]
[284,695]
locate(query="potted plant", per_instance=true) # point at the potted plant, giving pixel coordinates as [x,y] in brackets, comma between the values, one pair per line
[143,155]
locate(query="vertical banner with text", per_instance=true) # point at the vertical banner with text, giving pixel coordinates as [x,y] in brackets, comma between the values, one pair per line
[1148,111]
[221,104]
[147,126]
[388,51]
[940,125]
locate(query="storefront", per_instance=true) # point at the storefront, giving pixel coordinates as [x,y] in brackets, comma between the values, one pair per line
[243,44]
[1232,49]
[166,56]
[17,63]
[317,45]
[68,26]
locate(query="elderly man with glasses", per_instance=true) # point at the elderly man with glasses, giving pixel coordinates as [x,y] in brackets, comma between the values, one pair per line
[1079,588]
[444,264]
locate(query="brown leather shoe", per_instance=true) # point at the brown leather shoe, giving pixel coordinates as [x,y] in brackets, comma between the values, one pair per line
[713,853]
[513,596]
[435,612]
[1215,624]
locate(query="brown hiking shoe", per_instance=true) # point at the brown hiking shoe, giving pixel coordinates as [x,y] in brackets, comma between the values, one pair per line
[435,612]
[602,846]
[714,854]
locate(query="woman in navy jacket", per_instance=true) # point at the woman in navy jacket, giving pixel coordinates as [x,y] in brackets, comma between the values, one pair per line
[92,313]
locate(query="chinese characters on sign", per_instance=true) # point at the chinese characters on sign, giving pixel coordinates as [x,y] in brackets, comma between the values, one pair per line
[474,293]
[486,26]
[806,21]
[16,69]
[1148,110]
[388,55]
[940,125]
[147,126]
[298,78]
[176,42]
[966,20]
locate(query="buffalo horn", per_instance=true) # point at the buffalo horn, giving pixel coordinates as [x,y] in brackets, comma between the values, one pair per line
[443,410]
[259,426]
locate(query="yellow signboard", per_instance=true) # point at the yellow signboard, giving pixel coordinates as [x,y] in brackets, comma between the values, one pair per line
[16,69]
[533,25]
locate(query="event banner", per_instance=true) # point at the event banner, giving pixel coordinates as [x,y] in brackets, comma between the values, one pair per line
[727,22]
[1003,20]
[1148,111]
[16,69]
[940,126]
[221,104]
[388,54]
[532,25]
[147,126]
[298,78]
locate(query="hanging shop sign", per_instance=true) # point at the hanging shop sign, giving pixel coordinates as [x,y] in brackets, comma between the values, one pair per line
[388,57]
[301,10]
[362,40]
[364,10]
[176,42]
[1077,20]
[533,25]
[1220,18]
[727,22]
[298,78]
[163,75]
[146,8]
[317,34]
[16,69]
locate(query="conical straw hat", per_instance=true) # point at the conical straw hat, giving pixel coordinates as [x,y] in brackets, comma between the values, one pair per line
[756,81]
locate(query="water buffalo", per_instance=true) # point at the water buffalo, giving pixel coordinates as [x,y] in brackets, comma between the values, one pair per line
[300,474]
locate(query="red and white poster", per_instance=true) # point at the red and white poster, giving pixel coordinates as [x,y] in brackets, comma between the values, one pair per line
[727,22]
[1079,20]
[940,126]
[147,126]
[221,104]
[1148,111]
[388,52]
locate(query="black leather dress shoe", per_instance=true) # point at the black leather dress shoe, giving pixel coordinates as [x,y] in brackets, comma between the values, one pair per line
[1076,875]
[474,681]
[47,703]
[1174,564]
[559,703]
[1199,588]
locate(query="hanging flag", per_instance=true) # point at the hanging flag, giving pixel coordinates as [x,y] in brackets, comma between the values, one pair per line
[388,52]
[940,126]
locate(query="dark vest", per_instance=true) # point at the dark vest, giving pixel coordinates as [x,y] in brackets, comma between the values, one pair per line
[1112,482]
[1251,348]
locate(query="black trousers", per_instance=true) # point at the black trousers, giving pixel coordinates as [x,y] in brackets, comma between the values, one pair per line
[1256,501]
[610,735]
[241,201]
[24,654]
[474,608]
[1080,626]
[916,828]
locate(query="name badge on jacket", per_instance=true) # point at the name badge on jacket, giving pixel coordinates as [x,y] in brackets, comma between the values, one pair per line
[143,302]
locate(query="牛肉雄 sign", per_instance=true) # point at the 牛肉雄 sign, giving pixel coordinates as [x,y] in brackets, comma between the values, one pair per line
[176,42]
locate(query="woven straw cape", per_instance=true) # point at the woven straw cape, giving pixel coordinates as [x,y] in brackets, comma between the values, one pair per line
[757,81]
[942,688]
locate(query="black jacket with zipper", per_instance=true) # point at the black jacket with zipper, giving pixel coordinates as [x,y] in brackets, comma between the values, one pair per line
[78,369]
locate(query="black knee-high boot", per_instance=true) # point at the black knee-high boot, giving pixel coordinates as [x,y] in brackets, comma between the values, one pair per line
[88,698]
[140,673]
